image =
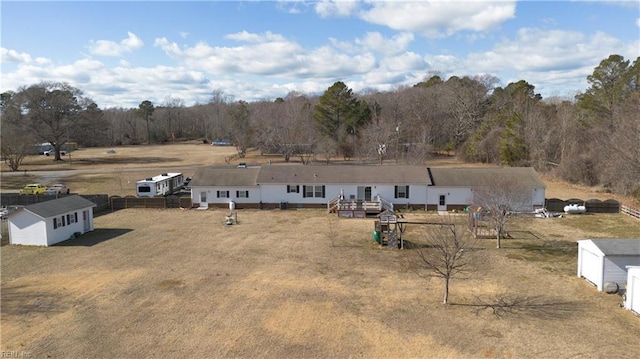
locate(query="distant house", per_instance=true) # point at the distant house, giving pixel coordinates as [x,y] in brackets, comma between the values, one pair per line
[606,260]
[632,301]
[351,186]
[50,222]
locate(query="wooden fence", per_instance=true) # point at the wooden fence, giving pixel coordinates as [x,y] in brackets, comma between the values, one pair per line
[149,202]
[630,211]
[17,200]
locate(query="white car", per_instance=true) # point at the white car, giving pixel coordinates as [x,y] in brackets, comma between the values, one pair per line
[53,152]
[57,189]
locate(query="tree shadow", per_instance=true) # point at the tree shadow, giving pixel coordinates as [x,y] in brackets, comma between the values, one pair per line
[92,238]
[504,306]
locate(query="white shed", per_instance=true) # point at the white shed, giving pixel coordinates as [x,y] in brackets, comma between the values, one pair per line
[633,289]
[50,222]
[606,260]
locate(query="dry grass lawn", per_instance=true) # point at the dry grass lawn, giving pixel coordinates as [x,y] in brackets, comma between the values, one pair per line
[302,283]
[296,283]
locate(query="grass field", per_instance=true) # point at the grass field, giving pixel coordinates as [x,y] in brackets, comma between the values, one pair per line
[296,283]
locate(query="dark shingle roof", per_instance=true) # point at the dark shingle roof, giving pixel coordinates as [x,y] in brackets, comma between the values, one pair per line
[343,174]
[362,174]
[59,206]
[478,177]
[629,247]
[224,176]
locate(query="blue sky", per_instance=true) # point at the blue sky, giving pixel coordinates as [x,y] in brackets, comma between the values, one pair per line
[120,53]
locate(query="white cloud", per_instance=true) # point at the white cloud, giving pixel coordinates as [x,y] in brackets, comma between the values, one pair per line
[375,41]
[7,55]
[111,48]
[170,48]
[440,18]
[554,61]
[331,8]
[638,22]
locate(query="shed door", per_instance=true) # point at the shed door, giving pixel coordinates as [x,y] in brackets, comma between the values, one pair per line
[634,296]
[85,221]
[591,267]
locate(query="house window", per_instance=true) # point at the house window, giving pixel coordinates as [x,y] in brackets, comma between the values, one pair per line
[72,218]
[313,191]
[242,194]
[402,192]
[293,188]
[223,194]
[442,200]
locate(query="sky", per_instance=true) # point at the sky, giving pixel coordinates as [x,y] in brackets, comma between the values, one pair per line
[120,53]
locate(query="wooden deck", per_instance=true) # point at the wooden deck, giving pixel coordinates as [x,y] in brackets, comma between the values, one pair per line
[358,208]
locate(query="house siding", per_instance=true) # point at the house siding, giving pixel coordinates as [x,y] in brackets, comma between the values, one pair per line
[27,229]
[615,268]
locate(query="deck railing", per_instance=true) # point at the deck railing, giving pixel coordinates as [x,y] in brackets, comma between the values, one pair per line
[377,205]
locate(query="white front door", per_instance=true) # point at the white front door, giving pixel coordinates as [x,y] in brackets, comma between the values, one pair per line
[203,199]
[442,203]
[364,193]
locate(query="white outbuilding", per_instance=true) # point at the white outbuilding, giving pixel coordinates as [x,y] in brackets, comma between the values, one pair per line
[633,289]
[50,222]
[606,260]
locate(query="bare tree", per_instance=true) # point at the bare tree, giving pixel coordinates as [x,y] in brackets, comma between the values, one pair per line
[499,199]
[443,252]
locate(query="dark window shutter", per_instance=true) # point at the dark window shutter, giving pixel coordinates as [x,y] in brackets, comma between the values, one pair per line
[55,223]
[237,194]
[304,191]
[297,189]
[76,216]
[288,191]
[407,192]
[395,195]
[322,191]
[227,194]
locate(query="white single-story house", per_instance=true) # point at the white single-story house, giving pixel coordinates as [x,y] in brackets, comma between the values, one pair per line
[632,301]
[606,260]
[50,222]
[352,186]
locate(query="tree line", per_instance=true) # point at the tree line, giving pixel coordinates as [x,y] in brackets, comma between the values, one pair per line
[592,139]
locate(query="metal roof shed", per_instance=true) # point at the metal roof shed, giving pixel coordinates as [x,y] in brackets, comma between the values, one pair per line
[50,222]
[605,260]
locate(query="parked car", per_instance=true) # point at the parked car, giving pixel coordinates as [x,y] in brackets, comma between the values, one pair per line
[57,189]
[4,212]
[53,152]
[242,165]
[33,188]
